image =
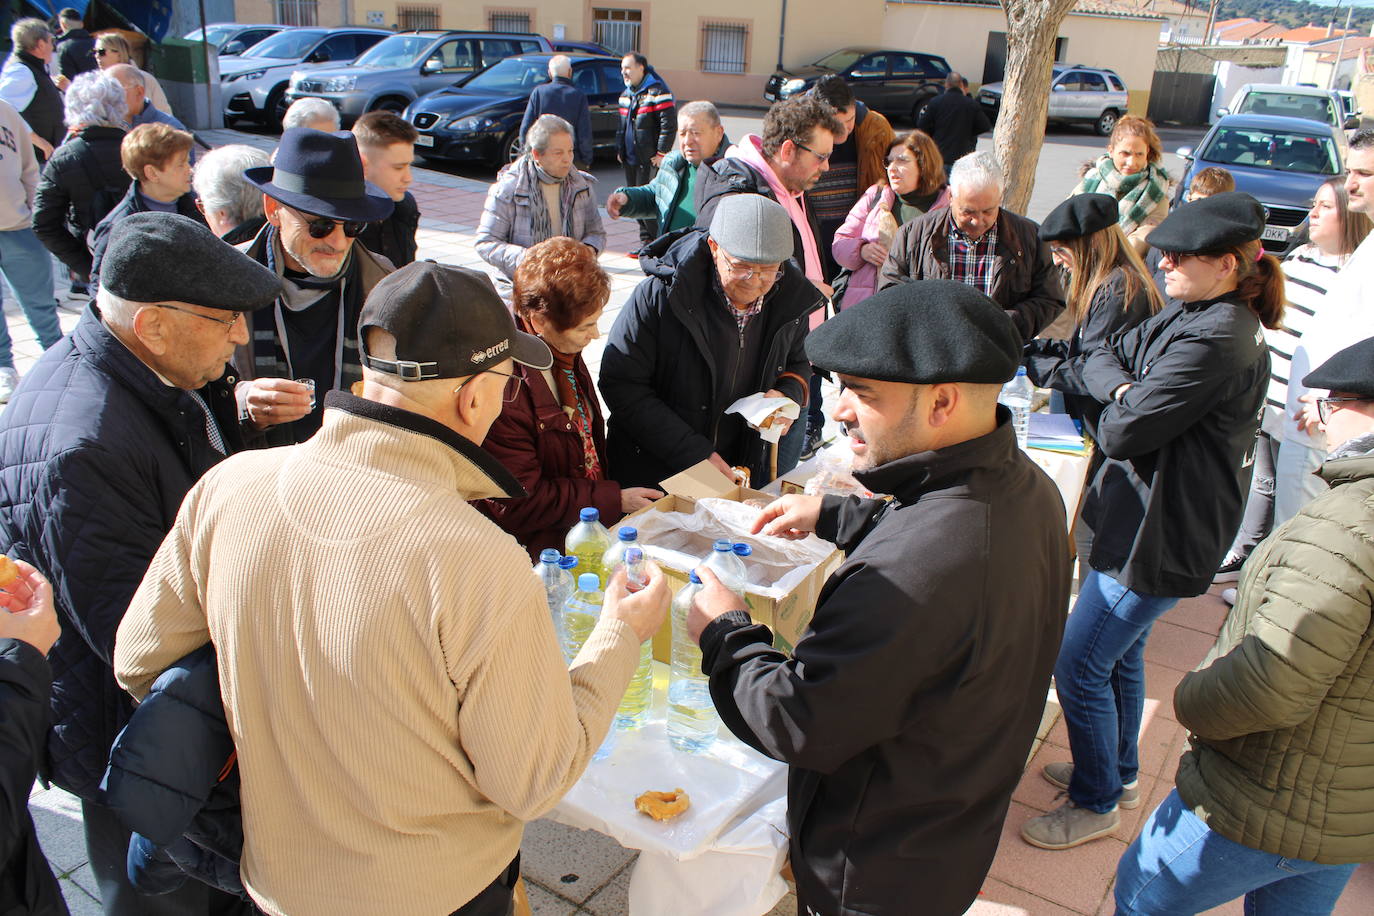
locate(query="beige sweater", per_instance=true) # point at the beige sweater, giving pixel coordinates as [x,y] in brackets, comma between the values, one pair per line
[387,662]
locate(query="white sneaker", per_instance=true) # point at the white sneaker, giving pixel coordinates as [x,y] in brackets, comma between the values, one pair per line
[9,379]
[1229,596]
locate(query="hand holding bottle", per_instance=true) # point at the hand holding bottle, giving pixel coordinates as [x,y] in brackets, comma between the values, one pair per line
[644,610]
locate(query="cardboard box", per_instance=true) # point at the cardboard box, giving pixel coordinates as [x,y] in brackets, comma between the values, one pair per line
[789,615]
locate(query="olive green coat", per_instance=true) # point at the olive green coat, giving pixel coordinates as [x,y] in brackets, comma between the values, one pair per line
[1281,712]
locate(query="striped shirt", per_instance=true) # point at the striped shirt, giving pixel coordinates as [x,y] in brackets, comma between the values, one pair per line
[971,261]
[1308,274]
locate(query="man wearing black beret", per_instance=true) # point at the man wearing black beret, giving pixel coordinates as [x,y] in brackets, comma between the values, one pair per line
[1272,793]
[908,708]
[100,442]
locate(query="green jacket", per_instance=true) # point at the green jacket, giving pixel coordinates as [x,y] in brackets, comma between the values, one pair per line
[658,198]
[1281,712]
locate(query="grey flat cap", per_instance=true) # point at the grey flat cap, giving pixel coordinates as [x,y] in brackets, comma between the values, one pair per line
[751,227]
[167,257]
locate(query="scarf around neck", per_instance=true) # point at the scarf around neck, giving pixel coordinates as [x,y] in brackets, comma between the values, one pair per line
[541,223]
[1137,195]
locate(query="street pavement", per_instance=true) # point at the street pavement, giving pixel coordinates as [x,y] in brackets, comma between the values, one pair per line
[568,871]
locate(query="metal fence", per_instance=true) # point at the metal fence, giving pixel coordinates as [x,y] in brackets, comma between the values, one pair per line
[417,17]
[510,21]
[297,12]
[723,47]
[618,30]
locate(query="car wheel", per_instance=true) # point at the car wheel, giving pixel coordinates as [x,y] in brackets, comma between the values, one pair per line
[916,109]
[1106,123]
[507,151]
[276,107]
[393,105]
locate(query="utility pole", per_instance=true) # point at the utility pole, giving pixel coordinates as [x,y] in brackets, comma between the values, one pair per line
[1211,21]
[1340,52]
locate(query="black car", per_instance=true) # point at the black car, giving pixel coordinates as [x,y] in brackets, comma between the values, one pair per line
[479,117]
[897,83]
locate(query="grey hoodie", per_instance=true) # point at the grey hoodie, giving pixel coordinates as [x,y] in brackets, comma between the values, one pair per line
[18,170]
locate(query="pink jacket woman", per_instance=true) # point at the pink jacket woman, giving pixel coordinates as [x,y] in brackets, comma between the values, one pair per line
[862,227]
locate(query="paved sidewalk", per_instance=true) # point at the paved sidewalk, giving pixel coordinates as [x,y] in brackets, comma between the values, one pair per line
[569,871]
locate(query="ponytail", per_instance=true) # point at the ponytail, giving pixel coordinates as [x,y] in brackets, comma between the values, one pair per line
[1259,283]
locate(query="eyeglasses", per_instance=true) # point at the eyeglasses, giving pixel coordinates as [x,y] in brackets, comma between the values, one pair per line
[1177,257]
[512,389]
[322,227]
[101,52]
[739,272]
[900,160]
[227,322]
[1324,407]
[801,145]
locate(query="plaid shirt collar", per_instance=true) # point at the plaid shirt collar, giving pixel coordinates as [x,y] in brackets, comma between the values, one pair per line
[971,261]
[742,316]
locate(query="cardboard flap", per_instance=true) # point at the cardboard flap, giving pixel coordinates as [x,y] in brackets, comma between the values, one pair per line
[699,481]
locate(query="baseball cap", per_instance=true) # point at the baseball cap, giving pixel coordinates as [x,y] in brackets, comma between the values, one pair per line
[448,322]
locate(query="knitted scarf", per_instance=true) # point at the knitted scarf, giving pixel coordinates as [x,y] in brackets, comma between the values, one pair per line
[541,225]
[1137,195]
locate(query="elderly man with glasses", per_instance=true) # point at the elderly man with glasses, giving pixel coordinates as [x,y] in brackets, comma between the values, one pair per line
[316,202]
[721,315]
[99,444]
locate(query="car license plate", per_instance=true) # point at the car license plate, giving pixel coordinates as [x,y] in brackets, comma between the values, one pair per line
[426,140]
[1274,234]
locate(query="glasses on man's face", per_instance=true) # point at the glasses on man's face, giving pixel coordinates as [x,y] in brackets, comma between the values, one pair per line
[741,271]
[511,391]
[821,156]
[322,227]
[227,322]
[1324,408]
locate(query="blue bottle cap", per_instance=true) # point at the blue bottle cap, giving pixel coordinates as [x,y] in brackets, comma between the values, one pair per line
[550,556]
[589,514]
[694,578]
[633,554]
[724,546]
[628,533]
[567,562]
[743,550]
[589,582]
[1020,371]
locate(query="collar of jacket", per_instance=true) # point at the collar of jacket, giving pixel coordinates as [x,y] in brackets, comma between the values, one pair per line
[489,478]
[101,132]
[911,477]
[1337,471]
[513,176]
[1201,304]
[1007,239]
[688,268]
[96,341]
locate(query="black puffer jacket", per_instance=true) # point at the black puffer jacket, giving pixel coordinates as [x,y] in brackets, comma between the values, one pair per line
[649,114]
[662,372]
[133,202]
[1164,500]
[82,182]
[27,884]
[96,454]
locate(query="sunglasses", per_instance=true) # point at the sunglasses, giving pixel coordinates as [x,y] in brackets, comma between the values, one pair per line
[322,227]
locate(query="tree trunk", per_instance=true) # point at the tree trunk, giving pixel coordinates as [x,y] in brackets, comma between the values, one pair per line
[1032,27]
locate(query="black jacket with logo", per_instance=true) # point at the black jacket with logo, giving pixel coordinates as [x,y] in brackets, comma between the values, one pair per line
[1167,488]
[909,705]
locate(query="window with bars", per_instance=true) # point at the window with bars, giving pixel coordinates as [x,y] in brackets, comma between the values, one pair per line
[618,30]
[297,12]
[724,47]
[417,17]
[518,21]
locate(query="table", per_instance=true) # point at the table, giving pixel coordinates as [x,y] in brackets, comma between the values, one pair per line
[723,855]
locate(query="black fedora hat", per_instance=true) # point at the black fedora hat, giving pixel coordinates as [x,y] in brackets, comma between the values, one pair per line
[321,173]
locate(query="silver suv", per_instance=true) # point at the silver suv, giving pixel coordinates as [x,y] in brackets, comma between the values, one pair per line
[407,65]
[253,84]
[1078,94]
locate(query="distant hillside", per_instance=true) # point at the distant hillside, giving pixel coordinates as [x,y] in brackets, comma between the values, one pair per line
[1293,15]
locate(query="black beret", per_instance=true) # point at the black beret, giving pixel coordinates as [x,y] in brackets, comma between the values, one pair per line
[167,257]
[1225,220]
[922,332]
[1350,370]
[1080,215]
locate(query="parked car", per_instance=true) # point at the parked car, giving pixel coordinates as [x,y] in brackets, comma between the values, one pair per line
[895,82]
[1306,102]
[232,38]
[1349,107]
[254,83]
[407,65]
[1279,161]
[480,117]
[1078,95]
[583,47]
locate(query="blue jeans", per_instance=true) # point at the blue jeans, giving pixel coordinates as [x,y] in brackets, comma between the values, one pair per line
[1178,866]
[1100,679]
[27,266]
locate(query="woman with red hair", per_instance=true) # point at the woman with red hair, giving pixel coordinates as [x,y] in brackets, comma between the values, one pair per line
[552,436]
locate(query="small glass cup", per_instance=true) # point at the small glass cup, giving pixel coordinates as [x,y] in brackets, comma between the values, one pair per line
[309,383]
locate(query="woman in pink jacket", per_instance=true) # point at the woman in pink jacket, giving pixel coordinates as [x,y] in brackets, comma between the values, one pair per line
[915,184]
